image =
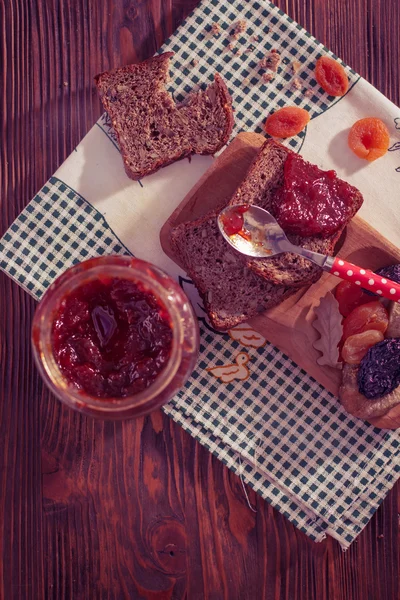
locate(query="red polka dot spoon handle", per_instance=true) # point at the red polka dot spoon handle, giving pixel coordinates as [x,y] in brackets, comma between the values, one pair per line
[364,278]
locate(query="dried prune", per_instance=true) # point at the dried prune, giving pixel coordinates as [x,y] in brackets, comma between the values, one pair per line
[391,272]
[379,372]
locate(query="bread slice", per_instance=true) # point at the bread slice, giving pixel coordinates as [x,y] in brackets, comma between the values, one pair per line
[152,130]
[264,177]
[232,293]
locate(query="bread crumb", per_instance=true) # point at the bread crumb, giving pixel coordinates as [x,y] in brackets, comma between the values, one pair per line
[65,83]
[255,38]
[267,77]
[230,46]
[297,83]
[246,82]
[249,49]
[240,27]
[271,61]
[308,93]
[239,52]
[215,29]
[296,66]
[194,62]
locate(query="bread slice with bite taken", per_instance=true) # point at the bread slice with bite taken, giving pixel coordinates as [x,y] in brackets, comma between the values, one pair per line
[152,130]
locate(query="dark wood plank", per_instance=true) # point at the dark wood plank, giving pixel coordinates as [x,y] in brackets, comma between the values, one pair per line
[140,510]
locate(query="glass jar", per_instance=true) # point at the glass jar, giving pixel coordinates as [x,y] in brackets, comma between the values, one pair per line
[184,347]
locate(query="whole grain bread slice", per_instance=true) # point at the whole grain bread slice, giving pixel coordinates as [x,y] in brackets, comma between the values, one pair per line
[231,292]
[152,130]
[263,179]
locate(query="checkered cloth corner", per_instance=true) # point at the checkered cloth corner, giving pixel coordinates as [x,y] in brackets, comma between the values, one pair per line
[56,230]
[276,427]
[206,43]
[289,438]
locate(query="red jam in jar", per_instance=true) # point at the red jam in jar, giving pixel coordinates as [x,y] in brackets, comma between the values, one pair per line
[111,338]
[311,202]
[115,337]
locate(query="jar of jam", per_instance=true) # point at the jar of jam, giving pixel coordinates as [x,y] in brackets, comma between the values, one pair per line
[115,337]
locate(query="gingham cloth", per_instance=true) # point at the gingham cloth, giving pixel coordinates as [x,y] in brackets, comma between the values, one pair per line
[286,436]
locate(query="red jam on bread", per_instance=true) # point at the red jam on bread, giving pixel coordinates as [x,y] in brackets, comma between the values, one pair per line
[111,338]
[311,202]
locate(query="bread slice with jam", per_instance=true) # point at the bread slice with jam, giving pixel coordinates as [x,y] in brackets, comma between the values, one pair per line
[261,186]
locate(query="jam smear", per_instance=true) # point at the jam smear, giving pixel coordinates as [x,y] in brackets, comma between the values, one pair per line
[111,338]
[311,202]
[233,221]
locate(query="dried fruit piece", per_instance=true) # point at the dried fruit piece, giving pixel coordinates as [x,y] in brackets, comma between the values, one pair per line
[331,76]
[286,121]
[369,138]
[390,272]
[356,346]
[349,295]
[379,372]
[368,316]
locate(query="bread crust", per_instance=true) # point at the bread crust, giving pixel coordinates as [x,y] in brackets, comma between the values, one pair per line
[223,93]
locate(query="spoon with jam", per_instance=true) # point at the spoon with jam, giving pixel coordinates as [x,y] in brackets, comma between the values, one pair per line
[254,232]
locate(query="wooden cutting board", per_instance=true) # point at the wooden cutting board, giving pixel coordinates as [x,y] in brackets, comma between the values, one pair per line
[289,325]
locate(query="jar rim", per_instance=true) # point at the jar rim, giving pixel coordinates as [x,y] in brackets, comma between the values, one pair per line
[123,267]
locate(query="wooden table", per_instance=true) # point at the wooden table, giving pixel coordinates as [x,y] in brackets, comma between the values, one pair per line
[140,510]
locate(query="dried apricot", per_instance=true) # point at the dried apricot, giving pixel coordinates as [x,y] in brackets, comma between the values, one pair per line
[368,316]
[349,296]
[369,138]
[356,346]
[286,121]
[331,76]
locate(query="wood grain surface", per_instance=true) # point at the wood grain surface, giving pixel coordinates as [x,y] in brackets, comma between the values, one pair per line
[139,509]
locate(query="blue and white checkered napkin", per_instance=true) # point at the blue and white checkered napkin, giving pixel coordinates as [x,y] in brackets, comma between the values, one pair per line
[246,402]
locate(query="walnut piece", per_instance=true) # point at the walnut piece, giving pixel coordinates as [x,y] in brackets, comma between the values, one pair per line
[296,66]
[267,77]
[271,61]
[215,29]
[240,27]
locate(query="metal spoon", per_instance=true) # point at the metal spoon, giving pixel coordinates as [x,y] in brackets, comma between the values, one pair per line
[262,237]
